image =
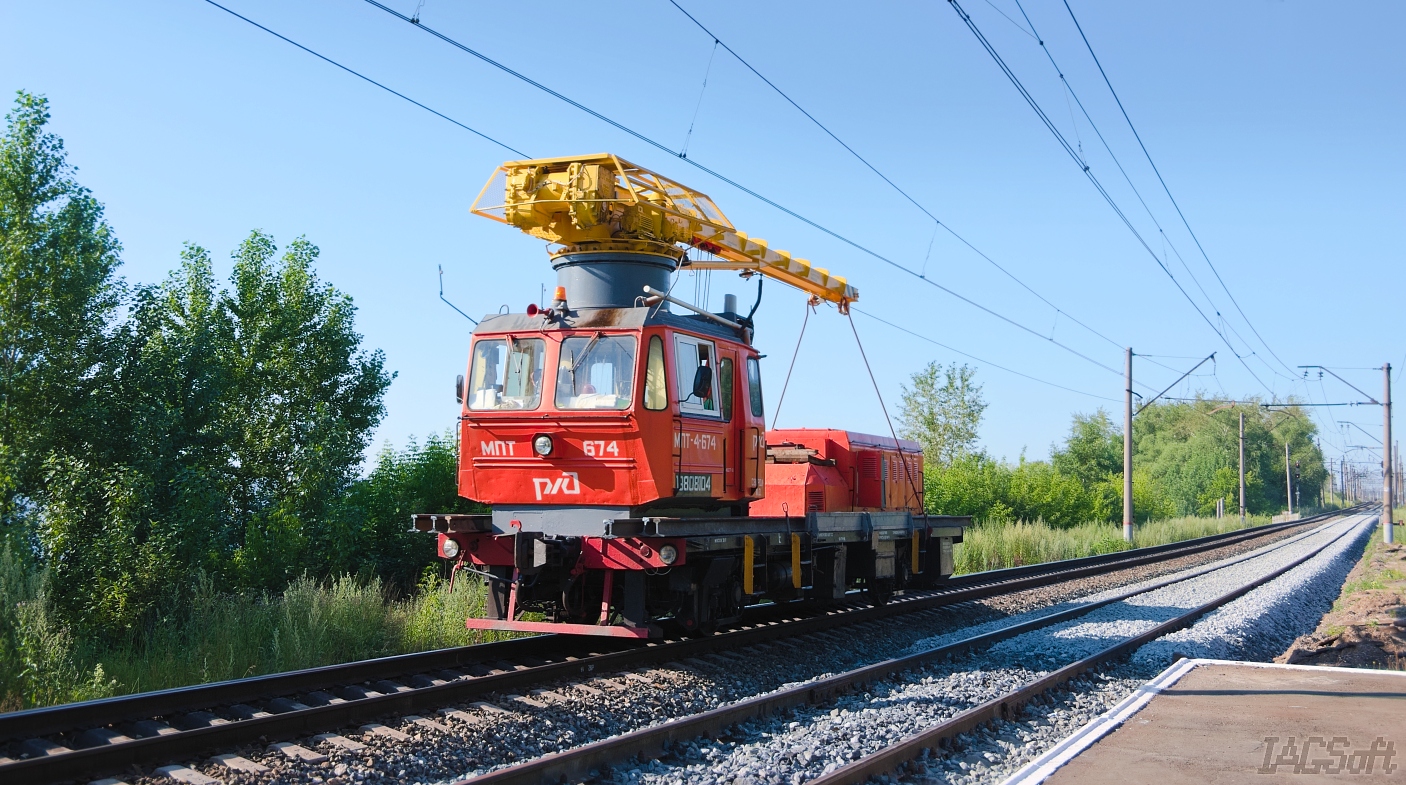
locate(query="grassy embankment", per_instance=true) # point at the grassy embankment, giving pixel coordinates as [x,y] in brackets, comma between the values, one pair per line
[312,623]
[220,636]
[991,547]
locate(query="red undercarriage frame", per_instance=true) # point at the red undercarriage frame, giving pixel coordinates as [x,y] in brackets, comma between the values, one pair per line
[608,554]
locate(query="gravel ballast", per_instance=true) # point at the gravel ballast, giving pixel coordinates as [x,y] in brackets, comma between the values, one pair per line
[811,741]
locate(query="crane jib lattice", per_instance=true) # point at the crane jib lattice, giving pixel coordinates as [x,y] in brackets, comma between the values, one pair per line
[601,202]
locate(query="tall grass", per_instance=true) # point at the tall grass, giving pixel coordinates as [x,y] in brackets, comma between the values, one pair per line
[991,546]
[219,636]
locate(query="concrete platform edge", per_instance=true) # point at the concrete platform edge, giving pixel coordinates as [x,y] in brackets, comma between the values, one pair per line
[1071,746]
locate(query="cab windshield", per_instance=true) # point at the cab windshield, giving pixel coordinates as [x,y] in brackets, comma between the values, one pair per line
[596,372]
[506,373]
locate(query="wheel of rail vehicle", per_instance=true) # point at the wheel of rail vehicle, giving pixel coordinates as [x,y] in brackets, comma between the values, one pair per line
[879,591]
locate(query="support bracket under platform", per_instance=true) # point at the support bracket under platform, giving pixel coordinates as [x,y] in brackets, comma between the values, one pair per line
[608,630]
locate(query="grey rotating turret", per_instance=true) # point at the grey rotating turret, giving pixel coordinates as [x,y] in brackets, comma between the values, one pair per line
[611,279]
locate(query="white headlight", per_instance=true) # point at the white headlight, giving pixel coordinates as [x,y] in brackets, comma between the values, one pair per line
[450,548]
[668,554]
[542,445]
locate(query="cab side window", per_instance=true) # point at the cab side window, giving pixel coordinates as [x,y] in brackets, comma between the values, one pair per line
[656,392]
[506,373]
[725,373]
[754,386]
[695,361]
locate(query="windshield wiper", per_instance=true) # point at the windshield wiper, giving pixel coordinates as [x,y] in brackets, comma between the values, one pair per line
[576,363]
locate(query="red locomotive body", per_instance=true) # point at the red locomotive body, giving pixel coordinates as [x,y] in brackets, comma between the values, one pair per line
[622,445]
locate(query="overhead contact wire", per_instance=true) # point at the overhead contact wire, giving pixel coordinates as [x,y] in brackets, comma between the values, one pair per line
[719,42]
[970,356]
[1166,189]
[1098,186]
[1069,89]
[366,78]
[514,150]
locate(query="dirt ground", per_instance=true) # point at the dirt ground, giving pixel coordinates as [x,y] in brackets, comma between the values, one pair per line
[1367,626]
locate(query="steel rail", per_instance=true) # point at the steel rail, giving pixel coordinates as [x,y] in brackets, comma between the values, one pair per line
[656,740]
[70,718]
[1007,706]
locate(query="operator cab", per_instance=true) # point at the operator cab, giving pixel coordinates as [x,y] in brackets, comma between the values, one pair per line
[605,407]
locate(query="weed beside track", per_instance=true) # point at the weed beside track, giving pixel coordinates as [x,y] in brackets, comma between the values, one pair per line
[224,636]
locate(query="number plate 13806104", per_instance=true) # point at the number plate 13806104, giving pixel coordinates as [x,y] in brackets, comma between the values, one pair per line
[694,484]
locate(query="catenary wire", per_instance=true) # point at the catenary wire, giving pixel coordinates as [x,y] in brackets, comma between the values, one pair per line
[886,178]
[683,151]
[750,192]
[366,78]
[1098,186]
[970,356]
[1018,25]
[1166,189]
[1069,90]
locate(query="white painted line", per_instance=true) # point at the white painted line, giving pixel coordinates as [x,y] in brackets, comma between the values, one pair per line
[1040,769]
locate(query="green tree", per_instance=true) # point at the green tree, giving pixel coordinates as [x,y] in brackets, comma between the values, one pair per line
[239,420]
[991,490]
[1225,484]
[369,534]
[129,526]
[971,484]
[1092,452]
[58,292]
[942,411]
[1191,450]
[302,401]
[1039,491]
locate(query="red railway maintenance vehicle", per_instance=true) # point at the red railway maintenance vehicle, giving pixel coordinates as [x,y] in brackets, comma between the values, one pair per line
[618,434]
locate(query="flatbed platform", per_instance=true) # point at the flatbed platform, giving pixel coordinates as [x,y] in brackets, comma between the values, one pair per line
[1219,721]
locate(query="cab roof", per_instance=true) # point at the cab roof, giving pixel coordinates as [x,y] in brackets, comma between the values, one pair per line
[607,318]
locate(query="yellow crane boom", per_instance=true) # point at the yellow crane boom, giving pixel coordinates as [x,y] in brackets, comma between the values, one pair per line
[601,202]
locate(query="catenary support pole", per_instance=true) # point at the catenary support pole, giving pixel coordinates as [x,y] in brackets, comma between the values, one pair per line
[1387,463]
[1288,478]
[1128,445]
[1242,468]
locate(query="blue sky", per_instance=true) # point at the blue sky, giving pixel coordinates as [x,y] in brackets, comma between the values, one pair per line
[1277,126]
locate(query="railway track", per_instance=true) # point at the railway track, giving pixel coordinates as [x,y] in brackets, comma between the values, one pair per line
[69,741]
[588,761]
